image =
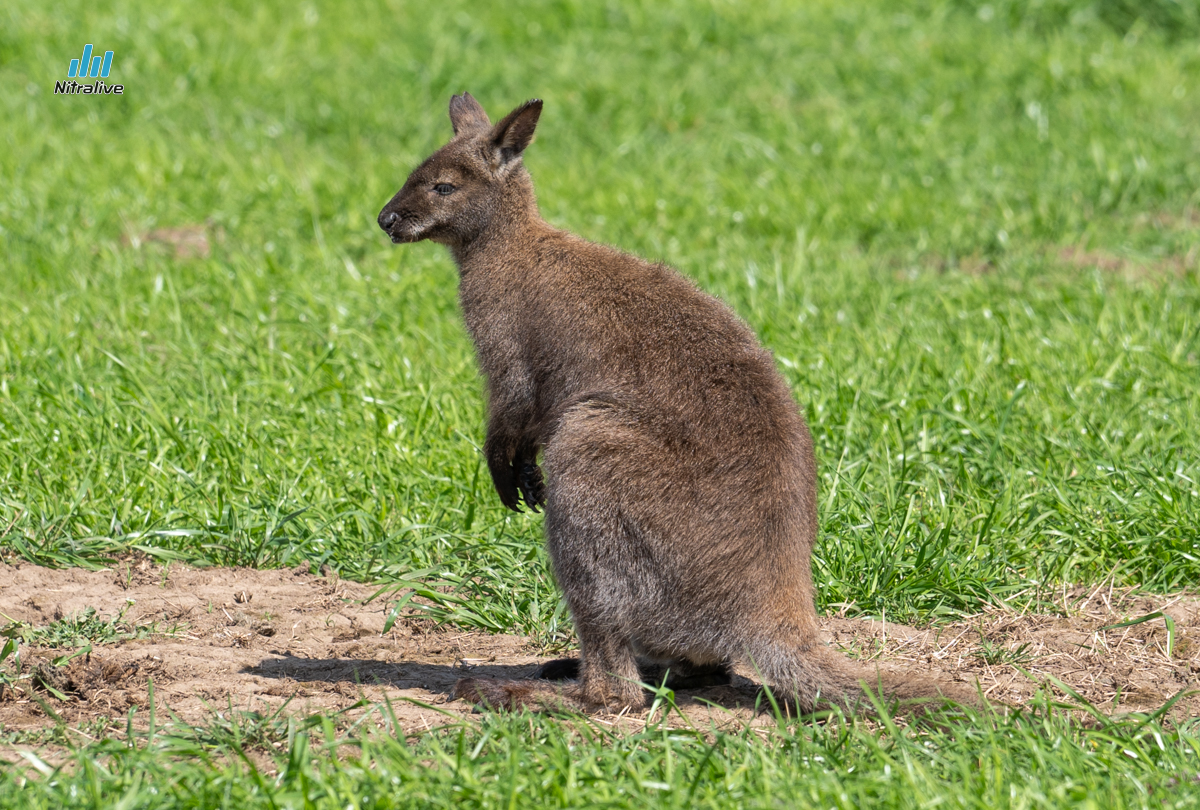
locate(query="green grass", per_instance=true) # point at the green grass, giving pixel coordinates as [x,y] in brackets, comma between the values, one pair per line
[80,629]
[78,633]
[1041,758]
[307,392]
[883,191]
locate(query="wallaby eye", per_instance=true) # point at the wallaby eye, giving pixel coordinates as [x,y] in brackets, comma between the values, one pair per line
[444,188]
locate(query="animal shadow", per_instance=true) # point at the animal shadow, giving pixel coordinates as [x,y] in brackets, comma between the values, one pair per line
[728,691]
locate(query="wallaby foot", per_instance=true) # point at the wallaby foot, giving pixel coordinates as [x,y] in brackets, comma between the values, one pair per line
[608,678]
[490,693]
[609,694]
[679,674]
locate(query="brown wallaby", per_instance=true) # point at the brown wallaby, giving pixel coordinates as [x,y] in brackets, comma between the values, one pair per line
[680,485]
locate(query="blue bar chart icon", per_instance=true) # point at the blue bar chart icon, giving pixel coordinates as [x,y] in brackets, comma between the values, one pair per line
[89,66]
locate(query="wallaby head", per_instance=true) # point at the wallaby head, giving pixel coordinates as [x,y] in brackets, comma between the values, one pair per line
[457,193]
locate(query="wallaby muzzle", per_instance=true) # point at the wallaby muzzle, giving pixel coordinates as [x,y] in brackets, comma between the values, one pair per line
[394,225]
[400,227]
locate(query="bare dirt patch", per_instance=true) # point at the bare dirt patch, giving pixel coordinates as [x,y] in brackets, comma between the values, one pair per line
[1186,220]
[239,639]
[221,639]
[1093,644]
[185,241]
[1130,267]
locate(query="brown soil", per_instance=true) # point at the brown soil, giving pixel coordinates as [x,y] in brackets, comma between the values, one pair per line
[221,639]
[185,241]
[1131,268]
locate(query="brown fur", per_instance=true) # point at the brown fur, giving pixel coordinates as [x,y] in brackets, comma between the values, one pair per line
[680,484]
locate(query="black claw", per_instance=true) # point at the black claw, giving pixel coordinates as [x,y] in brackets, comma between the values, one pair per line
[533,490]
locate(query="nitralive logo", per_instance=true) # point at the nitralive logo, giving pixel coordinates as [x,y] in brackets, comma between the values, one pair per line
[89,67]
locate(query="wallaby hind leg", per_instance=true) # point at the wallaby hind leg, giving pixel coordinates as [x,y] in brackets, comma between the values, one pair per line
[599,567]
[608,673]
[603,565]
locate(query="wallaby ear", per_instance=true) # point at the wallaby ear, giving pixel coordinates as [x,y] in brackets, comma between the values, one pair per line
[466,114]
[515,131]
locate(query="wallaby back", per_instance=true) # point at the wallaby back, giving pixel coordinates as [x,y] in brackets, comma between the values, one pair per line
[680,483]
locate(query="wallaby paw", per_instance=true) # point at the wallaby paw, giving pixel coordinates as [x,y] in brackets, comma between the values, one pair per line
[509,492]
[533,488]
[505,475]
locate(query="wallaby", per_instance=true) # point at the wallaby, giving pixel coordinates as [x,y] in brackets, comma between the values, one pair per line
[680,485]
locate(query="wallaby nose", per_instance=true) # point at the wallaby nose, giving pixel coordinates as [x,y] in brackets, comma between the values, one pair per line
[387,219]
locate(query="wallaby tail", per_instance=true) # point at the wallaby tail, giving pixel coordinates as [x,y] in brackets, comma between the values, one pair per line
[818,677]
